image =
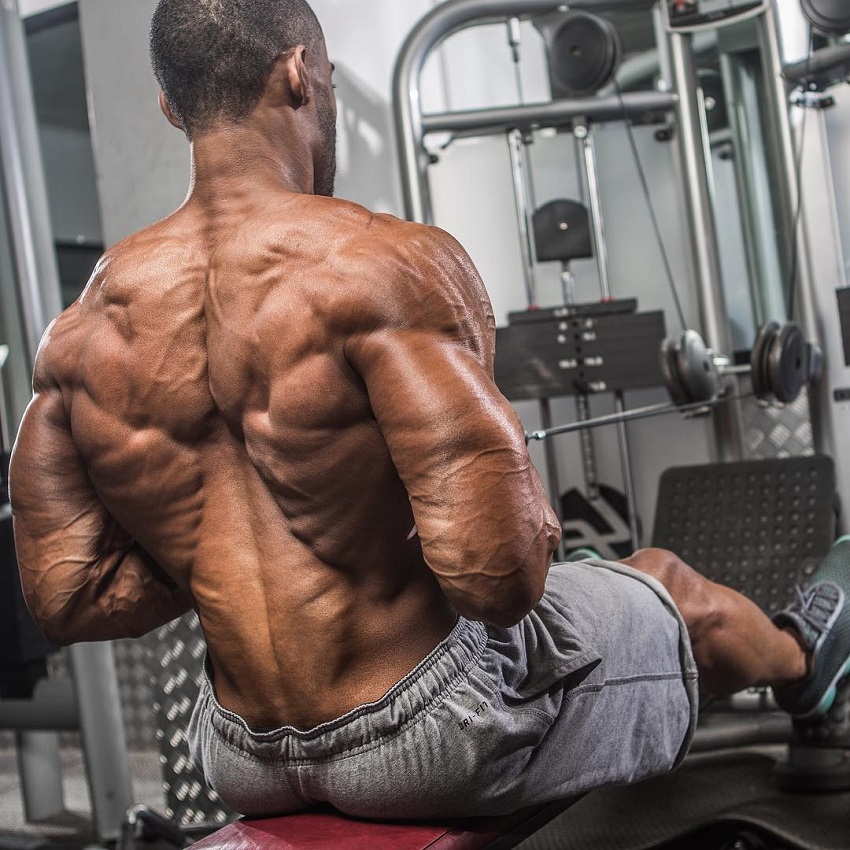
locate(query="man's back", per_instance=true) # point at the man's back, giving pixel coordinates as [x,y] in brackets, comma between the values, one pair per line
[209,395]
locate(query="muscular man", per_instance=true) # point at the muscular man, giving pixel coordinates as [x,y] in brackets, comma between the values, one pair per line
[278,409]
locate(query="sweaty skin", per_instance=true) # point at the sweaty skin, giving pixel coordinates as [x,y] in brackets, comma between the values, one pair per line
[278,409]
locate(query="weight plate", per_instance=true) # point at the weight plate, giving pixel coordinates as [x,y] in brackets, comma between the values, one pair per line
[670,371]
[787,363]
[562,232]
[828,16]
[758,360]
[584,54]
[697,372]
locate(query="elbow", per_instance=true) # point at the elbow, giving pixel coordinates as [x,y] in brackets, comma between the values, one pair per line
[499,593]
[502,603]
[55,633]
[502,575]
[58,638]
[54,624]
[505,613]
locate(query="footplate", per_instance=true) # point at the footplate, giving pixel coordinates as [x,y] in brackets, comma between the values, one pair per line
[758,526]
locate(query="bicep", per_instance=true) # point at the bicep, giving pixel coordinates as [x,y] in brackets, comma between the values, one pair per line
[62,529]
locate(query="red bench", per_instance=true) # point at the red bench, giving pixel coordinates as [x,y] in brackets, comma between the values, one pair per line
[330,830]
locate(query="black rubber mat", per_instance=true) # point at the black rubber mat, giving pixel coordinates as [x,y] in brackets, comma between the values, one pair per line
[708,793]
[757,526]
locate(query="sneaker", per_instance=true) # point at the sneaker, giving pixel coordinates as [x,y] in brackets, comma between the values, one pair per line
[584,554]
[821,616]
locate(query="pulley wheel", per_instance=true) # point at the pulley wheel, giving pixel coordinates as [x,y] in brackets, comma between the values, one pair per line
[831,17]
[583,54]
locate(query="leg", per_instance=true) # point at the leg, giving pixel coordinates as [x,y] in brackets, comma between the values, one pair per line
[735,644]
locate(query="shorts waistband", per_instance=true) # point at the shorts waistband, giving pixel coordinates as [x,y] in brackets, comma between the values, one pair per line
[413,695]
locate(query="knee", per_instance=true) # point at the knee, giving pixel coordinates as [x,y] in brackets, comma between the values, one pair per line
[664,566]
[702,604]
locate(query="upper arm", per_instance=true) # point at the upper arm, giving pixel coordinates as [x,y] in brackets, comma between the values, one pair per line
[83,576]
[49,488]
[486,527]
[61,527]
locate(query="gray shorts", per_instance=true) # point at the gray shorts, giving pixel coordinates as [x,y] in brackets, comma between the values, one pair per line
[597,686]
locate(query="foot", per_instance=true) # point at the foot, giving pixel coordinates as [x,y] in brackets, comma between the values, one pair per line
[821,617]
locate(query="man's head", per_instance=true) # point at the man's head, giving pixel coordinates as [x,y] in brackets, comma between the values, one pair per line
[214,60]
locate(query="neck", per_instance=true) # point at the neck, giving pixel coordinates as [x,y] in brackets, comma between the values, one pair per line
[242,161]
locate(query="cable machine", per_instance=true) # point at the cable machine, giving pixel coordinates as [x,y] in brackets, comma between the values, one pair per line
[562,350]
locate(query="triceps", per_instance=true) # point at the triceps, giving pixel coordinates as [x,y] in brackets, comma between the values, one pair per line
[83,576]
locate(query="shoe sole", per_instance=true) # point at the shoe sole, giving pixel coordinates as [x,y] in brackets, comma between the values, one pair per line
[826,702]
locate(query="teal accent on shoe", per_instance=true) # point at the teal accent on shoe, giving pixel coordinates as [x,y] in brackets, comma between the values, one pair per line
[820,615]
[585,553]
[826,703]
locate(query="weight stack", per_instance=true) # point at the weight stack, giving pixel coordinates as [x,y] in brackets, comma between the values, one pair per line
[23,648]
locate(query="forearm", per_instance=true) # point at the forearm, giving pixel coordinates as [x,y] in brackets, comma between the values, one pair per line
[122,595]
[490,543]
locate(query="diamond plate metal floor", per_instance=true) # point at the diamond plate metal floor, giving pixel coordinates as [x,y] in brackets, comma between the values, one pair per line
[72,829]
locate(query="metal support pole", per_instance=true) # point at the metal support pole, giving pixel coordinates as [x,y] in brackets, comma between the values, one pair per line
[628,473]
[754,184]
[591,178]
[5,429]
[40,769]
[600,248]
[790,193]
[807,194]
[441,22]
[523,214]
[39,296]
[588,449]
[694,153]
[785,152]
[551,456]
[26,191]
[104,741]
[556,113]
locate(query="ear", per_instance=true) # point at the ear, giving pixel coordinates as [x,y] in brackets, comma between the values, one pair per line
[166,111]
[297,76]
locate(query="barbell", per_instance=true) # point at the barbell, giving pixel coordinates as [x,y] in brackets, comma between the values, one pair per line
[782,362]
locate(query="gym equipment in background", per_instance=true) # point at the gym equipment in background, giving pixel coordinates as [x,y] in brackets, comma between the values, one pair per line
[830,17]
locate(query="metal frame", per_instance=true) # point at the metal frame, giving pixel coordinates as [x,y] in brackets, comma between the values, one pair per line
[95,682]
[695,160]
[26,189]
[806,185]
[412,125]
[683,97]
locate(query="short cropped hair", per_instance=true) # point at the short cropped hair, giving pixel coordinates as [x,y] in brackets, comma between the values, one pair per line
[213,58]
